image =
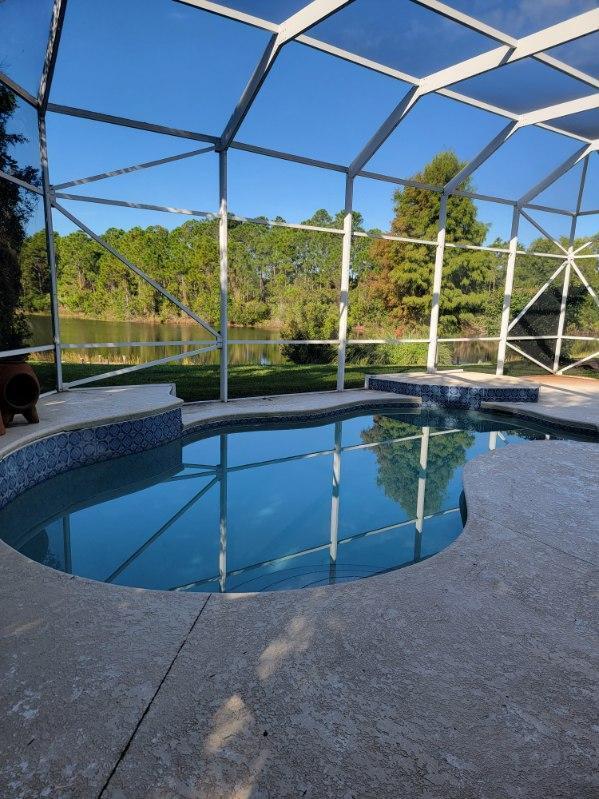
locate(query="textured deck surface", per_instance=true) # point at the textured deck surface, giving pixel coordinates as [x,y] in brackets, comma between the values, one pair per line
[570,401]
[84,407]
[472,674]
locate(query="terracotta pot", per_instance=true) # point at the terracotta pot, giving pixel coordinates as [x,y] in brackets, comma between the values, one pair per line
[19,392]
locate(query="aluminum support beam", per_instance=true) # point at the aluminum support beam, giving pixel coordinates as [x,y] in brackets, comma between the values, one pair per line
[529,357]
[542,230]
[26,350]
[60,7]
[585,283]
[288,30]
[250,93]
[587,103]
[431,361]
[283,156]
[533,299]
[557,173]
[87,198]
[308,16]
[223,249]
[18,90]
[50,250]
[553,36]
[507,292]
[139,272]
[562,311]
[135,168]
[22,183]
[136,367]
[481,27]
[577,363]
[568,272]
[386,129]
[344,286]
[482,156]
[136,124]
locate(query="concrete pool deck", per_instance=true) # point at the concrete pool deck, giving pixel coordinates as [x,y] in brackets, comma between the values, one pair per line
[468,675]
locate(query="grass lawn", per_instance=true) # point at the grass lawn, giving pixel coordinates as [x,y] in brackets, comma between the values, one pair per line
[202,382]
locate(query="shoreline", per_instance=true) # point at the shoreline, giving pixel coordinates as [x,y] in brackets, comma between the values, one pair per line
[180,321]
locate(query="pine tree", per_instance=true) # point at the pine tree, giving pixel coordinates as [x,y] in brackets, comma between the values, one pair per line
[401,280]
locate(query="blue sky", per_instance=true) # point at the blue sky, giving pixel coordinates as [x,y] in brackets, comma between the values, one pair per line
[164,62]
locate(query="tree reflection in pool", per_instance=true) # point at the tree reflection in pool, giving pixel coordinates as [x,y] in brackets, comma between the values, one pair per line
[263,508]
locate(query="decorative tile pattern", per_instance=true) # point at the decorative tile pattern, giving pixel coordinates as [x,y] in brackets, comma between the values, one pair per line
[456,396]
[43,459]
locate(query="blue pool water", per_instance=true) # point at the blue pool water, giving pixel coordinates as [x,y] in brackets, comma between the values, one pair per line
[263,509]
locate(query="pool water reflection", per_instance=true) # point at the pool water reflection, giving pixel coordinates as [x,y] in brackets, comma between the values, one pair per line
[263,509]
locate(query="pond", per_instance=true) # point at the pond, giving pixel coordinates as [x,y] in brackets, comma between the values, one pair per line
[76,330]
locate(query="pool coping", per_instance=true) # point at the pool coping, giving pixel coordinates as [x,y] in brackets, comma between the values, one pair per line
[60,446]
[19,435]
[531,413]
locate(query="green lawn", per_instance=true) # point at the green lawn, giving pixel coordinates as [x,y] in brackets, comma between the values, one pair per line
[202,382]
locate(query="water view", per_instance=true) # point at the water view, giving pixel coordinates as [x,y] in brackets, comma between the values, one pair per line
[76,330]
[79,330]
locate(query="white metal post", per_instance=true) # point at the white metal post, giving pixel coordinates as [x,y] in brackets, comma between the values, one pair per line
[568,271]
[344,292]
[507,291]
[223,247]
[50,250]
[431,361]
[562,309]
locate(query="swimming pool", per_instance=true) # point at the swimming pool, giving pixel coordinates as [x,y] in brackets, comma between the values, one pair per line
[268,508]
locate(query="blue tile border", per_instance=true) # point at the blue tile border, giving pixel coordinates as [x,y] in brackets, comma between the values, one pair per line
[455,396]
[40,460]
[298,417]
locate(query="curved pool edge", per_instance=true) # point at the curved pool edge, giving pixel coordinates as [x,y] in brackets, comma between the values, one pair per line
[46,453]
[133,433]
[70,631]
[478,488]
[32,463]
[550,417]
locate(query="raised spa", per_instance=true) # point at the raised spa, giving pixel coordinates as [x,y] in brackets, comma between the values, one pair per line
[266,508]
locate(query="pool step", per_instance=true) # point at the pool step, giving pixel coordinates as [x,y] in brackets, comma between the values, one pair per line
[456,389]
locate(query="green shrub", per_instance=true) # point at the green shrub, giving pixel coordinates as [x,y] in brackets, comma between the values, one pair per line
[305,353]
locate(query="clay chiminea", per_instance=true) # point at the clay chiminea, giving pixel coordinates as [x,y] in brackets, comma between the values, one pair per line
[19,392]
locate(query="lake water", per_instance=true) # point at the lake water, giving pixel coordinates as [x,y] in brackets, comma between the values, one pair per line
[76,331]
